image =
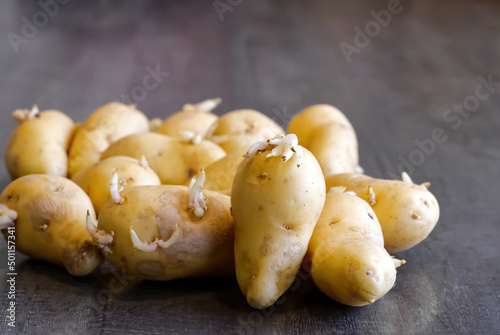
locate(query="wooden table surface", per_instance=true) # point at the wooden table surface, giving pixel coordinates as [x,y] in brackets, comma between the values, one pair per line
[424,68]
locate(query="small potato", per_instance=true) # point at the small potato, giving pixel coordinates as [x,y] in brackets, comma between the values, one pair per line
[131,172]
[174,160]
[50,222]
[239,129]
[330,137]
[349,262]
[407,212]
[193,118]
[39,144]
[277,196]
[220,174]
[106,125]
[167,232]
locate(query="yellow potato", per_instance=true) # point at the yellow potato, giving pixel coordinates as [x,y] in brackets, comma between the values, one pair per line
[50,221]
[349,262]
[106,125]
[166,232]
[131,172]
[193,118]
[407,212]
[277,196]
[330,137]
[39,144]
[239,129]
[174,160]
[220,174]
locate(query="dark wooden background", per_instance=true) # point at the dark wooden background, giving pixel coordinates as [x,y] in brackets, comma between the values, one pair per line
[279,57]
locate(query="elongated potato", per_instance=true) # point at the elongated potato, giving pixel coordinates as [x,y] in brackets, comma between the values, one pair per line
[39,144]
[106,125]
[239,129]
[50,222]
[407,212]
[330,137]
[167,232]
[174,160]
[349,262]
[130,172]
[277,196]
[192,118]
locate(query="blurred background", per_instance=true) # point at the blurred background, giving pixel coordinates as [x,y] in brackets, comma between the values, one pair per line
[399,70]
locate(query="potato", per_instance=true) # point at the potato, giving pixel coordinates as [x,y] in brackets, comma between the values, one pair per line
[106,125]
[174,160]
[131,172]
[329,135]
[167,232]
[39,144]
[407,212]
[348,259]
[50,223]
[239,129]
[193,118]
[220,174]
[277,196]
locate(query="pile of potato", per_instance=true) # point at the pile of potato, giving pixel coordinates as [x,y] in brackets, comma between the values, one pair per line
[199,195]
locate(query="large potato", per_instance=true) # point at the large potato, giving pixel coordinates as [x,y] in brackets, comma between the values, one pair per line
[39,144]
[330,137]
[159,235]
[105,126]
[95,181]
[239,129]
[193,118]
[407,212]
[174,160]
[277,196]
[349,262]
[50,223]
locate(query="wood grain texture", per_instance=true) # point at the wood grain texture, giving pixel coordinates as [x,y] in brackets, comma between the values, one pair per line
[279,57]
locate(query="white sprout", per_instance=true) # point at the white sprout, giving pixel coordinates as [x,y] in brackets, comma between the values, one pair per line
[155,124]
[398,262]
[143,246]
[22,115]
[259,146]
[143,162]
[284,146]
[115,192]
[373,198]
[359,169]
[426,184]
[406,178]
[341,189]
[99,236]
[165,244]
[350,193]
[7,217]
[205,106]
[197,201]
[190,136]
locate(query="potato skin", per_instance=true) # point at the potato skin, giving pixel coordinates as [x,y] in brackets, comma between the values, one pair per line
[173,160]
[51,223]
[328,134]
[204,247]
[106,125]
[188,120]
[220,174]
[95,181]
[275,205]
[39,145]
[349,262]
[244,127]
[407,212]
